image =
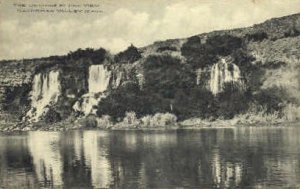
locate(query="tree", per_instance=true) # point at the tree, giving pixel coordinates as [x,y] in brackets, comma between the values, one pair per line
[130,55]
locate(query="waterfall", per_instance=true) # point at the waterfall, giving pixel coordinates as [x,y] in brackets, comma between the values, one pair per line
[98,78]
[221,73]
[45,91]
[98,82]
[117,79]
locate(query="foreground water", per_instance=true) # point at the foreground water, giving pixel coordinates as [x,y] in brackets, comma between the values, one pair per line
[205,158]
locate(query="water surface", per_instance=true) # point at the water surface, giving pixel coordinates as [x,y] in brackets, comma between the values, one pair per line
[206,158]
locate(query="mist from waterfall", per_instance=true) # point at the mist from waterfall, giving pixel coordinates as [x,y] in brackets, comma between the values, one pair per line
[45,91]
[98,82]
[221,73]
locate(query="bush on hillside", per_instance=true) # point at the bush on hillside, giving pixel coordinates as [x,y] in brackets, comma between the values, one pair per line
[201,54]
[95,55]
[164,75]
[257,36]
[130,55]
[291,112]
[104,122]
[232,101]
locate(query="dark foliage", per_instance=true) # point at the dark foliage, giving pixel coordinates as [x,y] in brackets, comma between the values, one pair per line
[166,48]
[165,75]
[202,54]
[52,116]
[130,55]
[232,101]
[223,44]
[271,99]
[95,55]
[89,122]
[252,73]
[257,36]
[169,87]
[16,100]
[292,32]
[129,98]
[195,102]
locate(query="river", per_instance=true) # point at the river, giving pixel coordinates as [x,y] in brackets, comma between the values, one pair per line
[251,157]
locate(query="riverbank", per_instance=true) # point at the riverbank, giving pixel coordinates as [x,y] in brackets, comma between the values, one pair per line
[187,124]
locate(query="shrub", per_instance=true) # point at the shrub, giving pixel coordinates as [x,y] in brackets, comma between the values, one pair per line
[95,55]
[104,121]
[158,120]
[291,112]
[202,54]
[130,55]
[52,116]
[195,102]
[130,119]
[146,121]
[257,36]
[164,75]
[128,98]
[292,32]
[166,48]
[89,121]
[271,99]
[232,101]
[163,119]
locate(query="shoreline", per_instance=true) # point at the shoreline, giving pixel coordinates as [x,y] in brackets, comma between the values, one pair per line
[59,127]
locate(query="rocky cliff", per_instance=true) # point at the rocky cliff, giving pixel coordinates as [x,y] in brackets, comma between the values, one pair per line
[213,75]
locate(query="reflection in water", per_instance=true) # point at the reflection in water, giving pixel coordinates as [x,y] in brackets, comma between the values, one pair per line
[160,139]
[226,174]
[15,163]
[77,141]
[44,148]
[206,158]
[95,156]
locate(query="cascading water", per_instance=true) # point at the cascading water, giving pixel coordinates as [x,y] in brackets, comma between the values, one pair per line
[45,91]
[116,79]
[98,78]
[98,82]
[221,73]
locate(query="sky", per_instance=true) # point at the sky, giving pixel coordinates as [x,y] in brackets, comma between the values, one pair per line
[119,23]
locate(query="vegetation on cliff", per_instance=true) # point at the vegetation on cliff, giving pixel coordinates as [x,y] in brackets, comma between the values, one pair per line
[172,78]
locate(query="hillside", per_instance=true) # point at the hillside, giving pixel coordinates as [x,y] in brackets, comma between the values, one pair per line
[217,75]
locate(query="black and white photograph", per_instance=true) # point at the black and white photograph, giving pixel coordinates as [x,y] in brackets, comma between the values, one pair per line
[158,94]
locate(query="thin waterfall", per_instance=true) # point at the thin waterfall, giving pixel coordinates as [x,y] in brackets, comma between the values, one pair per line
[98,78]
[98,82]
[221,73]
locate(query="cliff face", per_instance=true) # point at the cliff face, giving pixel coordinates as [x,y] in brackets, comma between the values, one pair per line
[217,74]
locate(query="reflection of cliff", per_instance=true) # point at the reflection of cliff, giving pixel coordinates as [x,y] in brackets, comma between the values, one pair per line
[207,158]
[44,148]
[95,157]
[159,140]
[225,174]
[15,163]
